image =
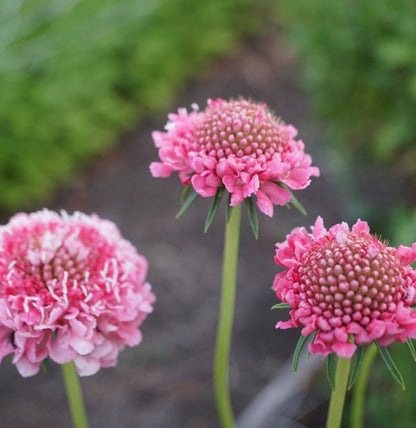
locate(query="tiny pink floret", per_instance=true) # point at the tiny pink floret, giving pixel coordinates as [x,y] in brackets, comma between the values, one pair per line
[347,287]
[72,289]
[236,144]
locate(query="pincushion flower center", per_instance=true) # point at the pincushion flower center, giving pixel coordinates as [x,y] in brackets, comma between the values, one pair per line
[352,281]
[49,272]
[62,264]
[238,128]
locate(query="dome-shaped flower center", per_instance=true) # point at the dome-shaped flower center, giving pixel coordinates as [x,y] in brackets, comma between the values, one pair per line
[62,264]
[47,270]
[357,280]
[238,128]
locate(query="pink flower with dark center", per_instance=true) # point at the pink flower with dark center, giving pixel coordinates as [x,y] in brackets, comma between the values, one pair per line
[236,144]
[72,289]
[347,287]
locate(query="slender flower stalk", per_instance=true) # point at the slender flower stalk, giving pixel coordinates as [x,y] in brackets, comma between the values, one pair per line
[225,322]
[74,395]
[336,403]
[358,396]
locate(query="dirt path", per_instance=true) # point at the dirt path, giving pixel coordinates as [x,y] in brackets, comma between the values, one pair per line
[166,381]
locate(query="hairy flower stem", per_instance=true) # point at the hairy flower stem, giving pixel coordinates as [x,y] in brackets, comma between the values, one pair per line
[74,394]
[357,403]
[336,403]
[225,322]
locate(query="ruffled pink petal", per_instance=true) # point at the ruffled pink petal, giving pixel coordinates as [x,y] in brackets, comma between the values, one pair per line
[361,227]
[285,324]
[344,349]
[318,230]
[25,367]
[6,346]
[405,254]
[264,203]
[86,366]
[159,169]
[271,194]
[205,186]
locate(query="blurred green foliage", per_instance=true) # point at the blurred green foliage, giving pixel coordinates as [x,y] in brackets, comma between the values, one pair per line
[387,404]
[75,74]
[359,63]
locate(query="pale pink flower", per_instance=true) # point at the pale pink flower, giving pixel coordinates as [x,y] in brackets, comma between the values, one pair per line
[72,289]
[236,144]
[347,287]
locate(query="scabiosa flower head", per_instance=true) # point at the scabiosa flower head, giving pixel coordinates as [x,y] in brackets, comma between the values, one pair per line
[236,144]
[345,284]
[71,288]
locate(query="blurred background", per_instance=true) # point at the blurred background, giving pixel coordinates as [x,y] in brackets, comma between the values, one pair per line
[82,86]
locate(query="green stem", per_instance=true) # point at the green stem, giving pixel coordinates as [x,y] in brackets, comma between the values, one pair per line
[336,403]
[74,394]
[225,321]
[357,403]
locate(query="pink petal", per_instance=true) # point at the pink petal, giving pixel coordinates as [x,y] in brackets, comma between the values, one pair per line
[405,254]
[344,349]
[159,169]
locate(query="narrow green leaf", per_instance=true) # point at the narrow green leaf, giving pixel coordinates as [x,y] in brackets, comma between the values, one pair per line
[411,348]
[281,306]
[185,193]
[356,364]
[299,346]
[44,365]
[294,201]
[312,338]
[214,208]
[188,202]
[297,204]
[252,216]
[388,361]
[331,367]
[228,209]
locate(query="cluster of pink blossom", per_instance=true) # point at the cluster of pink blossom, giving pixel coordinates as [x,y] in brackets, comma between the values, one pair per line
[236,144]
[72,289]
[345,284]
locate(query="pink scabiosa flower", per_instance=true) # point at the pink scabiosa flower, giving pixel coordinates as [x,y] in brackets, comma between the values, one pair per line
[71,289]
[346,288]
[238,146]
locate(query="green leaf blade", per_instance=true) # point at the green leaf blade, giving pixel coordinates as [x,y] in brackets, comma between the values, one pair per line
[356,364]
[391,366]
[185,193]
[411,347]
[281,306]
[331,367]
[293,200]
[190,199]
[214,208]
[299,346]
[229,209]
[252,216]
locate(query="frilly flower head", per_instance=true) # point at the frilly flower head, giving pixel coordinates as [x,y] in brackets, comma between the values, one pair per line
[237,145]
[346,287]
[71,289]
